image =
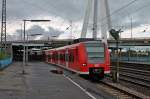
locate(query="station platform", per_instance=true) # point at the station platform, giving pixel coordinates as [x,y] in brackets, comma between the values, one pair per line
[38,83]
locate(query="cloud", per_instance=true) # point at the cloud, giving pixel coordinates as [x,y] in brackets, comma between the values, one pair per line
[62,11]
[18,35]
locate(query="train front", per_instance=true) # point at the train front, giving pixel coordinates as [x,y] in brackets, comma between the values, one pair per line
[98,59]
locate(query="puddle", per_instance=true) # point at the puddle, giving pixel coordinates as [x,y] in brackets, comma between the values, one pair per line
[56,71]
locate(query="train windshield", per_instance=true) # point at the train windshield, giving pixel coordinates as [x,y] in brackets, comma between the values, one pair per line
[95,51]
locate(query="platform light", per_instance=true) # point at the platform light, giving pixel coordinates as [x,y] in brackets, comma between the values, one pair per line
[25,56]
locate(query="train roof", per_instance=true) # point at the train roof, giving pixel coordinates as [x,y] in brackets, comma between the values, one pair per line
[76,42]
[85,40]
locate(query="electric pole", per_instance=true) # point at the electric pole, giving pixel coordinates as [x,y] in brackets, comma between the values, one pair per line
[3,26]
[71,28]
[131,28]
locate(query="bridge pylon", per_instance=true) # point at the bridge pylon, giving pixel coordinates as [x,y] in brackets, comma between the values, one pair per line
[104,19]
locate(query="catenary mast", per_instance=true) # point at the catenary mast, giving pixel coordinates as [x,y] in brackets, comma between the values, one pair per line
[3,26]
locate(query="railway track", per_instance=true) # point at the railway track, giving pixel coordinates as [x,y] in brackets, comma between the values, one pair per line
[117,90]
[120,91]
[135,77]
[124,92]
[134,66]
[134,71]
[133,80]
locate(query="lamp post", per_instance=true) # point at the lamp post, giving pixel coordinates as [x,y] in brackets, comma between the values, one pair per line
[25,47]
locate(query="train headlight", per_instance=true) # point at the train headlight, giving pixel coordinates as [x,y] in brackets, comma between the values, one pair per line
[84,64]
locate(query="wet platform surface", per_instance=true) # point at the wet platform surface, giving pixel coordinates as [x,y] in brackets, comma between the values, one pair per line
[38,83]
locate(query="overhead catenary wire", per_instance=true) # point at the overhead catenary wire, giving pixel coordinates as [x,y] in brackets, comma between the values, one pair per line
[46,10]
[135,11]
[118,10]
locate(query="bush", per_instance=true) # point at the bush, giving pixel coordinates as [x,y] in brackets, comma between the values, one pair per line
[3,55]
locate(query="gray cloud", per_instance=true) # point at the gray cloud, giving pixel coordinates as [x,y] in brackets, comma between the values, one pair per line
[35,30]
[67,9]
[71,9]
[74,10]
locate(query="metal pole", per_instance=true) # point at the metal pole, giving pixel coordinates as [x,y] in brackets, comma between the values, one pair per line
[71,28]
[21,32]
[117,68]
[3,27]
[131,28]
[137,56]
[24,50]
[27,50]
[149,55]
[25,53]
[116,72]
[129,55]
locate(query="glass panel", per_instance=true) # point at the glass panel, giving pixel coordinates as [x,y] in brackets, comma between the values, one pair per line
[95,50]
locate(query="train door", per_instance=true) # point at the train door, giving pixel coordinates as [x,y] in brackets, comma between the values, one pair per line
[66,58]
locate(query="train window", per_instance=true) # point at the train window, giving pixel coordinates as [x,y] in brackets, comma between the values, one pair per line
[66,57]
[95,51]
[71,57]
[56,56]
[76,54]
[53,56]
[49,56]
[63,57]
[60,57]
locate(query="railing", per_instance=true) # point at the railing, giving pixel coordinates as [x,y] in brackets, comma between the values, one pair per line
[133,59]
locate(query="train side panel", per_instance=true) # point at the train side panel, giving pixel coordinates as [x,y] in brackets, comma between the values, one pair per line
[76,58]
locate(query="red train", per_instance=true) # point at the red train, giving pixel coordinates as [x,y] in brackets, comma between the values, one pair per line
[84,57]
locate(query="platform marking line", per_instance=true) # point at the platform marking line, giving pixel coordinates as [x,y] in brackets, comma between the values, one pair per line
[84,90]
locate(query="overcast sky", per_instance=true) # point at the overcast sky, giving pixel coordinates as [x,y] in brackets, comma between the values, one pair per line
[62,12]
